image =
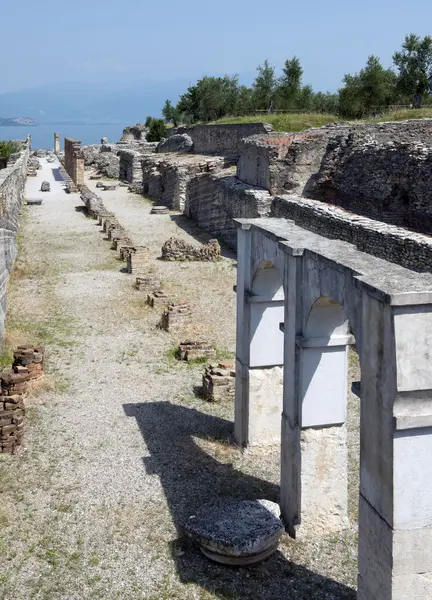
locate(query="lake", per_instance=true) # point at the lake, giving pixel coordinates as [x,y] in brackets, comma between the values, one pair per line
[43,135]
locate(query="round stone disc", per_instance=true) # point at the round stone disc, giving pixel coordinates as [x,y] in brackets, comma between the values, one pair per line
[237,528]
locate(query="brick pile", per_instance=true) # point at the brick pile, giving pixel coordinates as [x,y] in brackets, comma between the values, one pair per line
[13,392]
[196,349]
[176,316]
[32,359]
[137,260]
[148,283]
[219,382]
[157,298]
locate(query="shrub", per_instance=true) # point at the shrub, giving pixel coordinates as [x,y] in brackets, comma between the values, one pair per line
[156,130]
[8,148]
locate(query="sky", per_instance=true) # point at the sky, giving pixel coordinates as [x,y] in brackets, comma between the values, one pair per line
[54,42]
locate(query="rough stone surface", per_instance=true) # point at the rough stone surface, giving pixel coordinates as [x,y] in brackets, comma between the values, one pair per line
[12,181]
[176,317]
[218,382]
[178,249]
[196,349]
[237,528]
[180,142]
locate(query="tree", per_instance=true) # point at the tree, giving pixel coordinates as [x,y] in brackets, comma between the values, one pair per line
[171,113]
[264,86]
[148,121]
[156,130]
[414,63]
[289,85]
[374,87]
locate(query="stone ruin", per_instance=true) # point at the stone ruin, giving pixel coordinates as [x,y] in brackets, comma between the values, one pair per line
[137,260]
[28,366]
[178,249]
[301,299]
[196,350]
[157,298]
[148,283]
[74,162]
[218,382]
[177,317]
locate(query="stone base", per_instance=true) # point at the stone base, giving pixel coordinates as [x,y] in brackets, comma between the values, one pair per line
[219,382]
[137,260]
[193,350]
[148,283]
[235,532]
[32,359]
[157,298]
[176,317]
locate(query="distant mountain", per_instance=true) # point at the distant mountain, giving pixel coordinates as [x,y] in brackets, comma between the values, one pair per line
[87,103]
[17,122]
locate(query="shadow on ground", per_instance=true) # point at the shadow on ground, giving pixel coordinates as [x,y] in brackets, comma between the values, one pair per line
[190,477]
[200,235]
[56,174]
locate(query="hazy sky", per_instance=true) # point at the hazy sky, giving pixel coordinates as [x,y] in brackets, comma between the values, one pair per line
[51,41]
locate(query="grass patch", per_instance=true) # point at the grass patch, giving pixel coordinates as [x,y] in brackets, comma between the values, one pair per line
[302,121]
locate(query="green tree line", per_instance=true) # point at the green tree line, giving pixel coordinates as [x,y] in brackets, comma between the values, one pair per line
[372,90]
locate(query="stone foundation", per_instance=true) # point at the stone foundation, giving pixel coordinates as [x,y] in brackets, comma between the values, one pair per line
[74,161]
[219,382]
[197,349]
[137,260]
[12,411]
[157,298]
[176,317]
[148,283]
[30,358]
[177,249]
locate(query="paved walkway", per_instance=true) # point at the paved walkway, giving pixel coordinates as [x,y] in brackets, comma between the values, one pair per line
[119,450]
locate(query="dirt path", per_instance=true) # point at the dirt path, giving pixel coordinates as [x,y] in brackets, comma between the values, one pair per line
[119,450]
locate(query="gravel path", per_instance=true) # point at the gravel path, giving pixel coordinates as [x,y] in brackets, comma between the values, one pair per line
[119,450]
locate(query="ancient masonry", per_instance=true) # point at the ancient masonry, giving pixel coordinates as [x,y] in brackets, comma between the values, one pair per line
[332,230]
[196,350]
[12,181]
[177,317]
[74,162]
[219,382]
[177,249]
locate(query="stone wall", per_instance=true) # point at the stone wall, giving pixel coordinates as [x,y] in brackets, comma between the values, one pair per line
[134,132]
[165,176]
[214,200]
[378,170]
[130,166]
[394,244]
[74,161]
[220,139]
[12,182]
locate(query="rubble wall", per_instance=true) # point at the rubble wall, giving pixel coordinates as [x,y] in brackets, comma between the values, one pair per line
[394,244]
[214,200]
[220,139]
[12,182]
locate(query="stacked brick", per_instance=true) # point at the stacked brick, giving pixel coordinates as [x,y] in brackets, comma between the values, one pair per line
[32,359]
[196,349]
[176,316]
[219,382]
[148,283]
[157,298]
[13,392]
[137,260]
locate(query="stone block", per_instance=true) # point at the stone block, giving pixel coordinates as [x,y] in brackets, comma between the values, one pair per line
[137,260]
[157,298]
[196,349]
[148,283]
[219,382]
[176,317]
[178,249]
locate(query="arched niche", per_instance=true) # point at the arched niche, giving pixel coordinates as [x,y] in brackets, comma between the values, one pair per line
[267,313]
[324,364]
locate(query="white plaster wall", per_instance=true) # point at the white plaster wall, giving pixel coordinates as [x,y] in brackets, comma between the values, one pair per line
[267,339]
[413,332]
[265,406]
[324,483]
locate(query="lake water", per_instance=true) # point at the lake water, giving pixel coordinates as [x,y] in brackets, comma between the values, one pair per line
[43,135]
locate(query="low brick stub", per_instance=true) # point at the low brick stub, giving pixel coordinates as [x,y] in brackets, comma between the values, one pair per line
[220,139]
